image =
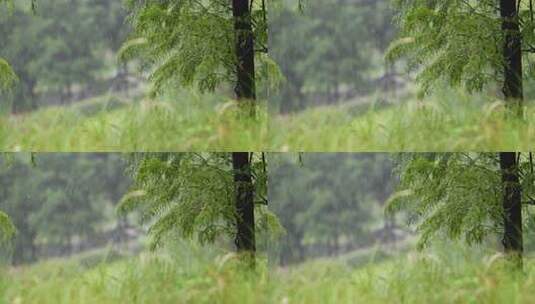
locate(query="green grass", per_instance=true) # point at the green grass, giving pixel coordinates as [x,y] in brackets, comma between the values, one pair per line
[451,275]
[447,121]
[185,122]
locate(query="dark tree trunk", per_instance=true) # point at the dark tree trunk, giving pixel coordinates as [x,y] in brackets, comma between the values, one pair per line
[512,55]
[245,70]
[513,94]
[245,94]
[512,237]
[245,234]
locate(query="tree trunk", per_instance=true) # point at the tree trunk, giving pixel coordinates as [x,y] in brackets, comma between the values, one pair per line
[245,70]
[245,234]
[513,95]
[245,91]
[512,205]
[512,55]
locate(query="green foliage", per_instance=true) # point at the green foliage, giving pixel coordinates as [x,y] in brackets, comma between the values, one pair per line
[192,194]
[457,195]
[7,76]
[457,41]
[7,229]
[192,42]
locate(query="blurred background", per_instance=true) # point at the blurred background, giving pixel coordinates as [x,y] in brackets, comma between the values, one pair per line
[332,52]
[332,204]
[62,204]
[64,52]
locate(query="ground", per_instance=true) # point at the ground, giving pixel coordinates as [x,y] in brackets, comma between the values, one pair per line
[448,274]
[451,121]
[185,122]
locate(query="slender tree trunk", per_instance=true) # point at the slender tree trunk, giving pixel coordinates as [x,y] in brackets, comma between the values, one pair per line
[512,205]
[245,70]
[512,55]
[245,234]
[245,91]
[513,94]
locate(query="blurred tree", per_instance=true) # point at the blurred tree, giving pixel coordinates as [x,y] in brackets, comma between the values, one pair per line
[61,49]
[328,203]
[61,202]
[70,200]
[19,200]
[330,51]
[7,76]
